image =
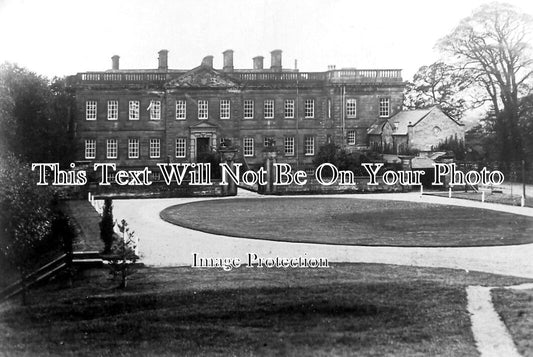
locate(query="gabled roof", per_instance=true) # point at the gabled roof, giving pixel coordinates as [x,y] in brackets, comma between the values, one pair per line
[377,127]
[403,119]
[203,77]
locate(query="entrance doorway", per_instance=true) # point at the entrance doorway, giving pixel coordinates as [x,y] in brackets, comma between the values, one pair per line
[203,149]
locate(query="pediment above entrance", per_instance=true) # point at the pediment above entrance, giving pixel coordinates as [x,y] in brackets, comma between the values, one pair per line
[203,77]
[203,125]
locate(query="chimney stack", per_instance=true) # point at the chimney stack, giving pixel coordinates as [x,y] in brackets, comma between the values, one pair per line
[115,62]
[258,62]
[275,61]
[228,61]
[163,60]
[208,61]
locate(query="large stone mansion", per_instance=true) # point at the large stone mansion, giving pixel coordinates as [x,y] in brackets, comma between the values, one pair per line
[139,118]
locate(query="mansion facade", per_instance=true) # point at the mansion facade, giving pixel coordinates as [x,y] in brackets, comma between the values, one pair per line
[138,118]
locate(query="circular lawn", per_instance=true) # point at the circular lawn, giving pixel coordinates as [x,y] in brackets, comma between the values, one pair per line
[351,221]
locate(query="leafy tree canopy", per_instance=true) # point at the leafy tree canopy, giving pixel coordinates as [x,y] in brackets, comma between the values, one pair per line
[438,84]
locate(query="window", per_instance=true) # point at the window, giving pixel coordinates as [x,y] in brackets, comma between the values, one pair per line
[112,109]
[224,109]
[155,110]
[289,108]
[111,152]
[90,149]
[181,109]
[110,176]
[90,110]
[203,110]
[269,109]
[384,107]
[181,147]
[134,110]
[133,148]
[268,140]
[351,137]
[309,106]
[309,145]
[248,109]
[351,108]
[156,176]
[289,146]
[155,148]
[248,146]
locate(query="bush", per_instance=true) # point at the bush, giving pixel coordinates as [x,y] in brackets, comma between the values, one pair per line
[343,160]
[25,213]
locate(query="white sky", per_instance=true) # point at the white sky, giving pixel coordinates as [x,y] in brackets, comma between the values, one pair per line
[62,37]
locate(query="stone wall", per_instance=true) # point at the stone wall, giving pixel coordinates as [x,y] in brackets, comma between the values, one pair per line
[313,187]
[434,129]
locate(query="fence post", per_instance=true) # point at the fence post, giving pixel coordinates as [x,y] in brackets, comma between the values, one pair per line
[450,192]
[482,196]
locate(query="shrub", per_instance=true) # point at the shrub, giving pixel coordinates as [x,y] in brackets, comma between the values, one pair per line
[122,257]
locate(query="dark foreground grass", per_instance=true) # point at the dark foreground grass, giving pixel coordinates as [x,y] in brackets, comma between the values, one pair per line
[353,221]
[349,309]
[516,310]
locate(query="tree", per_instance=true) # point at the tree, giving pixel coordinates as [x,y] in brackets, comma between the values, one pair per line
[60,133]
[438,84]
[343,160]
[34,116]
[123,257]
[25,214]
[526,124]
[456,146]
[493,46]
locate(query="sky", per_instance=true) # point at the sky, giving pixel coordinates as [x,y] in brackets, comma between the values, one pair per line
[64,37]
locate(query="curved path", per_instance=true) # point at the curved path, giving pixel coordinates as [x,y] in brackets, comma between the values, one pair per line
[165,244]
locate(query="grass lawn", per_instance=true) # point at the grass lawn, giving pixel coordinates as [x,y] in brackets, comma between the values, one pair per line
[516,310]
[353,222]
[349,309]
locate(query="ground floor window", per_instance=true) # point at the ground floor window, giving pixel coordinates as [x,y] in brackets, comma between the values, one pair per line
[90,149]
[309,145]
[351,137]
[289,145]
[268,141]
[248,146]
[181,147]
[155,148]
[133,148]
[111,149]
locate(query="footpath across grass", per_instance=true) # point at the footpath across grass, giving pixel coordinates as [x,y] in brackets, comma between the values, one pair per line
[348,309]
